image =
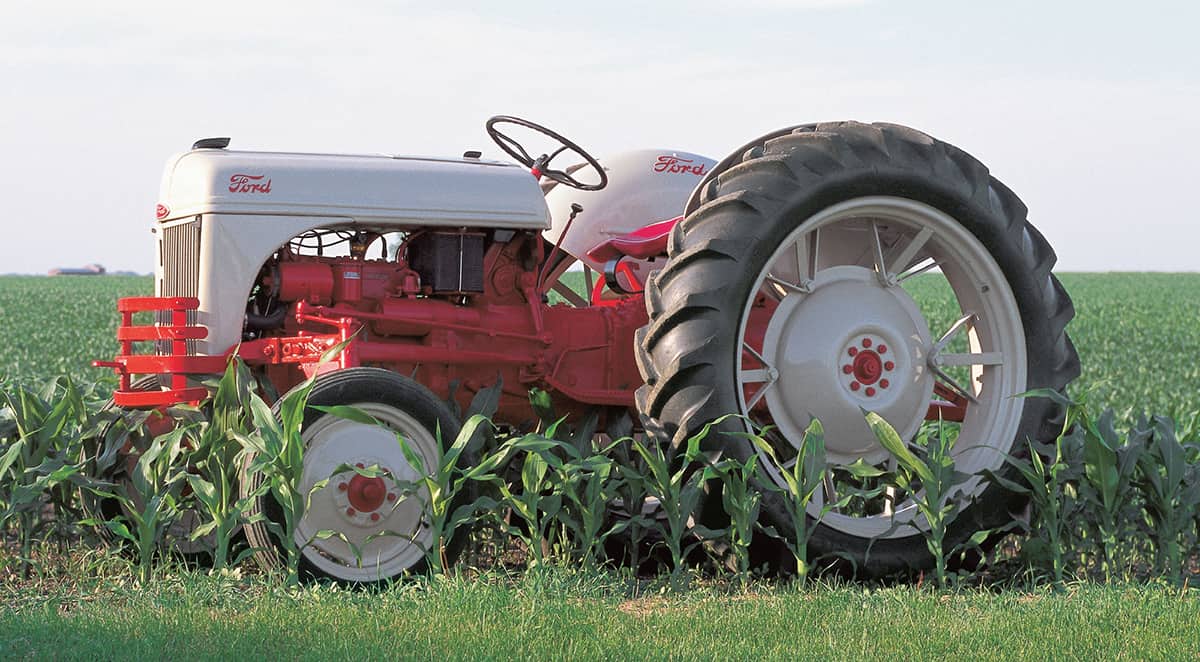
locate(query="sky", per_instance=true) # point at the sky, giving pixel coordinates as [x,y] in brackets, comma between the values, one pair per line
[1090,111]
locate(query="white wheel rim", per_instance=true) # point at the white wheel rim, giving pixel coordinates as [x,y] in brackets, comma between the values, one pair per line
[362,509]
[840,280]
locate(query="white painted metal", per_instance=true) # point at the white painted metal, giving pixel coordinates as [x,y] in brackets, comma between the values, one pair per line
[837,280]
[377,190]
[644,187]
[332,441]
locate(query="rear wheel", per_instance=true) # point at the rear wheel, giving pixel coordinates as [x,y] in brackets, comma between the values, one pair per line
[848,267]
[388,528]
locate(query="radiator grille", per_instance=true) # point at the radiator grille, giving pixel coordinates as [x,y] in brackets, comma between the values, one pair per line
[179,256]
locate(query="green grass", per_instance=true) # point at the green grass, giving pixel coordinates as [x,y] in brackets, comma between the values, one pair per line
[565,616]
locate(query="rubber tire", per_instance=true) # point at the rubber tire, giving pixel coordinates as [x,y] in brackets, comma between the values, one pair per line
[686,352]
[348,387]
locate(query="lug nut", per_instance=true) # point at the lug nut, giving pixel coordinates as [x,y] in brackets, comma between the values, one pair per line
[360,465]
[374,517]
[870,391]
[883,349]
[854,386]
[883,383]
[391,496]
[351,512]
[342,487]
[888,365]
[847,369]
[852,351]
[866,342]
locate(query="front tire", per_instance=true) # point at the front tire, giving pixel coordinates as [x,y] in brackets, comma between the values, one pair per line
[357,507]
[782,287]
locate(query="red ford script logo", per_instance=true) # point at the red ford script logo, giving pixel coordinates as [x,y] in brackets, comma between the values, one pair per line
[248,184]
[675,164]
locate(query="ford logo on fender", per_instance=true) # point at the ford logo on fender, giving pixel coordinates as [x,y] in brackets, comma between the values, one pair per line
[673,163]
[240,183]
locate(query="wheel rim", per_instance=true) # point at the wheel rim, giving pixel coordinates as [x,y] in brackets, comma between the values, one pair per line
[373,513]
[842,318]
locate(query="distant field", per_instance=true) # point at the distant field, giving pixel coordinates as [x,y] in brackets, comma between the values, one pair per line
[1137,334]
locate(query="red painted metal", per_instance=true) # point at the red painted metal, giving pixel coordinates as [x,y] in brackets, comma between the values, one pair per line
[366,494]
[641,244]
[867,367]
[951,406]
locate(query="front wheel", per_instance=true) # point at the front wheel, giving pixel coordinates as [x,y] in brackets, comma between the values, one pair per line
[381,528]
[847,267]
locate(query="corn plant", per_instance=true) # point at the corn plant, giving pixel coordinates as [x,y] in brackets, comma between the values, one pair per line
[1170,490]
[41,461]
[589,483]
[1107,489]
[216,462]
[278,456]
[929,482]
[629,489]
[678,488]
[1050,487]
[150,500]
[741,501]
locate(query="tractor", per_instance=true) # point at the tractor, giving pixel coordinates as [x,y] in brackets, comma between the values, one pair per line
[820,271]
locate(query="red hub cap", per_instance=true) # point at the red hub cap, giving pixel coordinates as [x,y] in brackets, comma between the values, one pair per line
[366,494]
[867,367]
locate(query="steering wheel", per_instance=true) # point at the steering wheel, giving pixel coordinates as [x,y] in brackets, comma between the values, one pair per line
[539,165]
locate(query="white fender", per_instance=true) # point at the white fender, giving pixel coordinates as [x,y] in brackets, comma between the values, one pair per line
[644,187]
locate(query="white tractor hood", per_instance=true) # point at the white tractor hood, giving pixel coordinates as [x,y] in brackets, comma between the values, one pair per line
[378,190]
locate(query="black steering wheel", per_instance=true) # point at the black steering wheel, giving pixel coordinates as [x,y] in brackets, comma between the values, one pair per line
[539,165]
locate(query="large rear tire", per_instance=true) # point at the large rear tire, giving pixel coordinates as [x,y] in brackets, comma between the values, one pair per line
[357,507]
[790,283]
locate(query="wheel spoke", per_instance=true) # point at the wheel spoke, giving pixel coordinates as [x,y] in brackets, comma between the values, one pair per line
[754,376]
[901,261]
[805,268]
[981,358]
[790,287]
[953,385]
[758,395]
[929,263]
[949,335]
[877,252]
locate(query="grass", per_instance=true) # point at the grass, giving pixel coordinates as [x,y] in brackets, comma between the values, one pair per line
[568,615]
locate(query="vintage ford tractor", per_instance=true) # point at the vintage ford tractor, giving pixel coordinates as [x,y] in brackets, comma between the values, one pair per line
[820,271]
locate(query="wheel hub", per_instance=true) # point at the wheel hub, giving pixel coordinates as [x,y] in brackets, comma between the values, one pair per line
[362,500]
[849,344]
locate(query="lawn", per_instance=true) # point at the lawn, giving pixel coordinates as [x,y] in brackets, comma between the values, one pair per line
[563,615]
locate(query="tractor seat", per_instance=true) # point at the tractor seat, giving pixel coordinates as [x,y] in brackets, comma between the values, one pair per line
[641,244]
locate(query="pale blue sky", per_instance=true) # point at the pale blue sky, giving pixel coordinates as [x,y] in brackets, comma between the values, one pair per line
[1090,111]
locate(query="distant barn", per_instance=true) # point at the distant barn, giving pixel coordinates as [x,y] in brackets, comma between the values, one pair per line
[85,270]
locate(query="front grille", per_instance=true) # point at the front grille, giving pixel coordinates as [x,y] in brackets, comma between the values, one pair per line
[179,256]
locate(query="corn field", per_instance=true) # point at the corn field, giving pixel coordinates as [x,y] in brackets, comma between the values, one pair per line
[1116,496]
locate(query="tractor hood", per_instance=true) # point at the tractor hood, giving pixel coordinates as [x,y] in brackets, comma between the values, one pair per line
[378,190]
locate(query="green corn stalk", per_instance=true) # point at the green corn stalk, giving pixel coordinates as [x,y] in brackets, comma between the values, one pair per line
[1052,495]
[1170,489]
[678,488]
[151,499]
[278,454]
[800,482]
[217,460]
[741,502]
[589,483]
[1107,487]
[41,459]
[936,477]
[630,487]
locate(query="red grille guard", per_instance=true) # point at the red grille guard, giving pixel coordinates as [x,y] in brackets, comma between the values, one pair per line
[174,366]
